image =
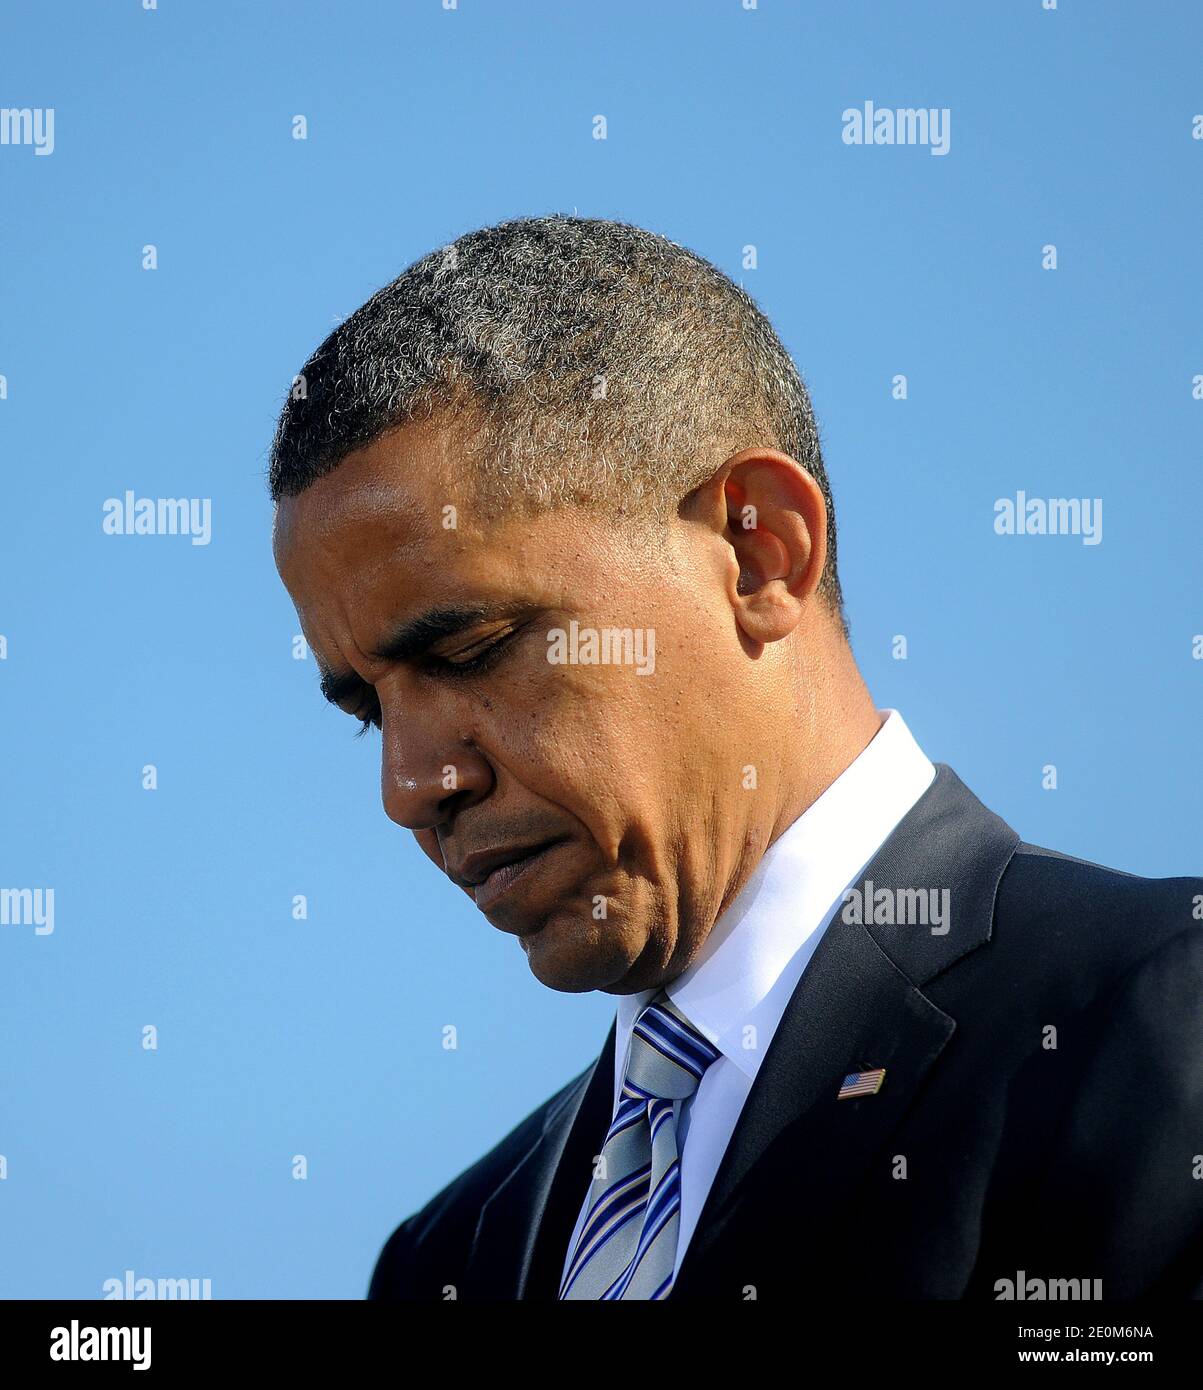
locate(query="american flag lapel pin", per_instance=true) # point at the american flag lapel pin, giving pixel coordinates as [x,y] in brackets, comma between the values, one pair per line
[862,1083]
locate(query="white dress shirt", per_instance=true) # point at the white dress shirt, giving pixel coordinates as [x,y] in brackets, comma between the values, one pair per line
[738,985]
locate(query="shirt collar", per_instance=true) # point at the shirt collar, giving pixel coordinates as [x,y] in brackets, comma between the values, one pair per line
[738,985]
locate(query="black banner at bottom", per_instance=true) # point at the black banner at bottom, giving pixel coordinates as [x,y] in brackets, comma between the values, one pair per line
[44,1339]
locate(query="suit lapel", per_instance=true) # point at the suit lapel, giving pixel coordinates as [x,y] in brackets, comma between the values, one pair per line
[521,1237]
[852,1011]
[858,1006]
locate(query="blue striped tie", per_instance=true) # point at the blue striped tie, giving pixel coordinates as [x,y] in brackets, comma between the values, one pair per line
[628,1242]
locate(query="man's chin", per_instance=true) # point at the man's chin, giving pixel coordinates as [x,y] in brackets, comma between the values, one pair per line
[574,955]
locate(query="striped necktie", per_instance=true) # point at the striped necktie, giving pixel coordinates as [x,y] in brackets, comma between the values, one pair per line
[628,1242]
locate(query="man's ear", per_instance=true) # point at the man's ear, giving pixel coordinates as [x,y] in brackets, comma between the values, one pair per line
[771,515]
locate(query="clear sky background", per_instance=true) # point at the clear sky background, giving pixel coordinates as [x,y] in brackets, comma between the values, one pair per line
[173,907]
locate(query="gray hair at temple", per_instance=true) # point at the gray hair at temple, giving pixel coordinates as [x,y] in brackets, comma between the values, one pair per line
[579,361]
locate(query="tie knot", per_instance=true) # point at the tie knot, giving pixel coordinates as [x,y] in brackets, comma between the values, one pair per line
[668,1055]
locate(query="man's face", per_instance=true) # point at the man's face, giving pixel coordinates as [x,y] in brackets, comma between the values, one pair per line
[584,806]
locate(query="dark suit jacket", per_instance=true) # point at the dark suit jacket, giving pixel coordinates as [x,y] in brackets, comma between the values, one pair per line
[987,1152]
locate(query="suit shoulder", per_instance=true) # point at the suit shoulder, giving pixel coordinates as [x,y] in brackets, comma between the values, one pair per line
[446,1225]
[1084,916]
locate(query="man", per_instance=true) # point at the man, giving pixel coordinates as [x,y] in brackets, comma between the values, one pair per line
[554,515]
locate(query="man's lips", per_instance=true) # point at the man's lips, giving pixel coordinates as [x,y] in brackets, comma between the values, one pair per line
[490,873]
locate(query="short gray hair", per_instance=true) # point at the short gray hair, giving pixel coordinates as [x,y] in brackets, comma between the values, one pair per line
[593,362]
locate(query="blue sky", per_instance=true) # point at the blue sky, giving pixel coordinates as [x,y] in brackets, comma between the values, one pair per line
[173,907]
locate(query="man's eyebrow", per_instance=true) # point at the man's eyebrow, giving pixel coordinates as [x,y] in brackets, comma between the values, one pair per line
[415,637]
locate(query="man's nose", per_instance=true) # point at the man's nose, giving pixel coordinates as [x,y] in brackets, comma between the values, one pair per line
[425,775]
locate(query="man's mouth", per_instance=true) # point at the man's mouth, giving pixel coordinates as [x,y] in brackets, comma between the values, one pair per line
[494,873]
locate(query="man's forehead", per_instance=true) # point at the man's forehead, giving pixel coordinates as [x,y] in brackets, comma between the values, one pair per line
[399,525]
[401,486]
[367,530]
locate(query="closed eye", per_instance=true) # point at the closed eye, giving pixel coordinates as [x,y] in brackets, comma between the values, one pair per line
[472,660]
